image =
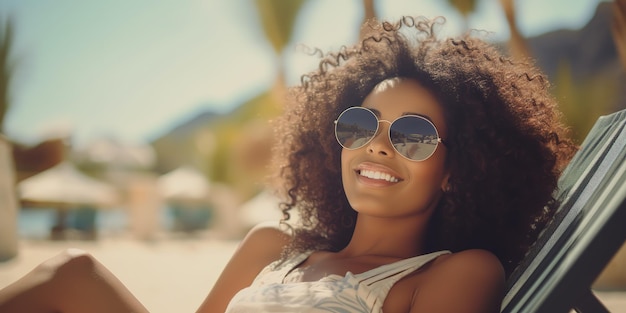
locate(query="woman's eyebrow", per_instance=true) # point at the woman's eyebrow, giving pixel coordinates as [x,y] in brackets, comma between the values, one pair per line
[377,113]
[418,114]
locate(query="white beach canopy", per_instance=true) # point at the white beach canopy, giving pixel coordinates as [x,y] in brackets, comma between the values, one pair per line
[264,207]
[185,185]
[65,185]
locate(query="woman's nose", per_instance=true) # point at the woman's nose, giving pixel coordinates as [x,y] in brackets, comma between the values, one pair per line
[380,144]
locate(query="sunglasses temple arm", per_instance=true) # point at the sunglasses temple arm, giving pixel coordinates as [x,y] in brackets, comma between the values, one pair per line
[442,141]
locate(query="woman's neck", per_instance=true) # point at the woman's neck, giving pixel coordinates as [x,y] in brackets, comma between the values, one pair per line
[400,238]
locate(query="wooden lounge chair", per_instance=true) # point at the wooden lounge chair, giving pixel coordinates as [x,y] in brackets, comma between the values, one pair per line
[587,231]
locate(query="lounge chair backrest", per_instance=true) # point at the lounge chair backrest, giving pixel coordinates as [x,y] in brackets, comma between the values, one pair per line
[587,230]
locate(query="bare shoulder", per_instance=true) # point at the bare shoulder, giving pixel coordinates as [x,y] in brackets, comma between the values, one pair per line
[266,240]
[474,263]
[261,246]
[467,281]
[269,229]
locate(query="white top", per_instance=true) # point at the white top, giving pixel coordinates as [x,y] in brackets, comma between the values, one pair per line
[276,290]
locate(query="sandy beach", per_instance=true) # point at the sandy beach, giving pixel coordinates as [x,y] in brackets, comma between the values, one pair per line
[170,274]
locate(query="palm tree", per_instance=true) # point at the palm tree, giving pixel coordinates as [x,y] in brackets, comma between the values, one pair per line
[243,141]
[465,7]
[517,44]
[278,19]
[369,14]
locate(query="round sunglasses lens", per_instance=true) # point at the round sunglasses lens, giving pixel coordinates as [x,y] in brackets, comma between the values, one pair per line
[414,137]
[355,127]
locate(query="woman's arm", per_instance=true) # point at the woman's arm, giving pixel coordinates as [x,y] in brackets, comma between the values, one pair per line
[470,281]
[261,246]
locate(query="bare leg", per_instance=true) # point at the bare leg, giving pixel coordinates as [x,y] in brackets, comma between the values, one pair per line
[73,281]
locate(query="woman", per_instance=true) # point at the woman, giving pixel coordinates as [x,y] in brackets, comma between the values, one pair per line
[421,170]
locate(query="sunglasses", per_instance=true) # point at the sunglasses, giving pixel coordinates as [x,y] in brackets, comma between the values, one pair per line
[412,136]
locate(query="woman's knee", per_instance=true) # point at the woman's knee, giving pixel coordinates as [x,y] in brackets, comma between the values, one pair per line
[49,284]
[67,264]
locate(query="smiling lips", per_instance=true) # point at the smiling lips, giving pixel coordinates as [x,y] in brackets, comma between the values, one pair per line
[378,175]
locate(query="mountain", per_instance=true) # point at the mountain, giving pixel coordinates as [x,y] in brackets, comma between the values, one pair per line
[208,133]
[177,147]
[590,50]
[584,69]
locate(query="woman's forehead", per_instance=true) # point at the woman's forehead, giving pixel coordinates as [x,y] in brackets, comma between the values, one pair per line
[396,97]
[406,94]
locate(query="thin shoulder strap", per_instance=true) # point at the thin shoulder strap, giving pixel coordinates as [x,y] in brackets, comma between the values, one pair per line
[381,279]
[277,270]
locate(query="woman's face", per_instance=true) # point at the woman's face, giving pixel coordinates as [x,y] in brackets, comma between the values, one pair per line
[415,187]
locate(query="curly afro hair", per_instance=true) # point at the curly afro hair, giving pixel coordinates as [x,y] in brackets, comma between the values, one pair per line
[506,142]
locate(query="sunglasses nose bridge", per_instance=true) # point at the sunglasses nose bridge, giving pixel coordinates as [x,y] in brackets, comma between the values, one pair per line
[381,143]
[382,130]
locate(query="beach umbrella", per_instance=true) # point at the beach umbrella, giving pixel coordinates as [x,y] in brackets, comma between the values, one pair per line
[185,186]
[65,186]
[263,207]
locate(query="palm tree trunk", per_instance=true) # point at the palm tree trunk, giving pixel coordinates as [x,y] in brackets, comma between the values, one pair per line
[618,27]
[517,44]
[369,14]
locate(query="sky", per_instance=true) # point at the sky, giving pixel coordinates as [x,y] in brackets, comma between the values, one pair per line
[131,70]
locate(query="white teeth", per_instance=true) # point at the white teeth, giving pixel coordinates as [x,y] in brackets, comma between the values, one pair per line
[378,175]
